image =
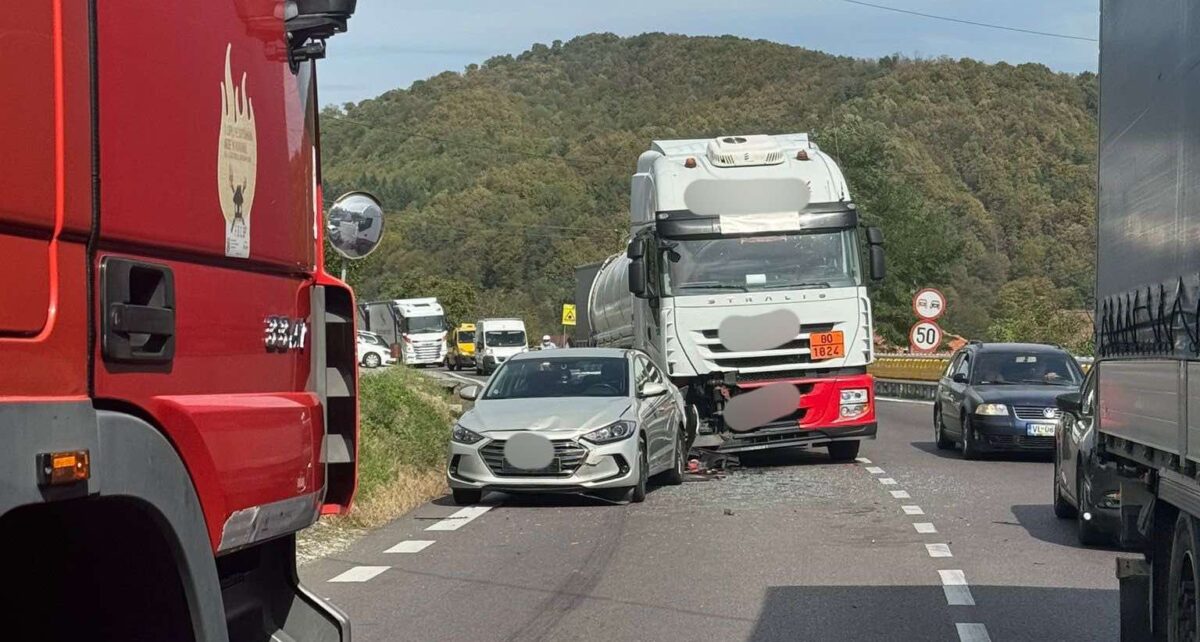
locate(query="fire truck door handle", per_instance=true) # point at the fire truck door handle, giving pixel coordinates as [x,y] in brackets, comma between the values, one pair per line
[138,300]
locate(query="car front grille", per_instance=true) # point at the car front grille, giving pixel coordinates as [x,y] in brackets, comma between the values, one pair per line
[1035,413]
[1021,441]
[568,455]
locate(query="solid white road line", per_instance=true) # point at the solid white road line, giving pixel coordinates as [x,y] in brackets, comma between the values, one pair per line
[938,550]
[459,518]
[901,494]
[972,632]
[410,546]
[463,378]
[862,460]
[895,400]
[924,527]
[912,510]
[954,585]
[875,470]
[360,574]
[887,481]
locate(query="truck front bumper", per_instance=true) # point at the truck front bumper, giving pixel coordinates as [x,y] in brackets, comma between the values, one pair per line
[788,437]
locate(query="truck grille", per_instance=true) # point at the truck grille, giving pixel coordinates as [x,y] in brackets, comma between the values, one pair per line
[568,455]
[792,353]
[1035,413]
[427,350]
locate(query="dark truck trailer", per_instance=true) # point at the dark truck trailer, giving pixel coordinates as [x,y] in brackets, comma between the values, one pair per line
[585,275]
[1147,299]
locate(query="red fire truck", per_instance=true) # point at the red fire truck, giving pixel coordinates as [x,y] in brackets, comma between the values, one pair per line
[177,370]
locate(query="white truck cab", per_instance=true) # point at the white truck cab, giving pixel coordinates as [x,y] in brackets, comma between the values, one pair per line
[422,331]
[496,340]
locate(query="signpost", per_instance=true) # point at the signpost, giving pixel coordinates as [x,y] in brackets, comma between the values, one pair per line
[925,335]
[568,319]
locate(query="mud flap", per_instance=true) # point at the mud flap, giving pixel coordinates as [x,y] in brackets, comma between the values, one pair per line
[1133,577]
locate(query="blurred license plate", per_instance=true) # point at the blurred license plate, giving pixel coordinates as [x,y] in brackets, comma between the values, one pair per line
[554,467]
[1040,430]
[826,345]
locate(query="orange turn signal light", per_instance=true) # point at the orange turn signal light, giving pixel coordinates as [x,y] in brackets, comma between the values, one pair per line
[64,467]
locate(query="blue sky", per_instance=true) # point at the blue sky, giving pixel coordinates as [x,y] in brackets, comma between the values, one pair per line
[391,43]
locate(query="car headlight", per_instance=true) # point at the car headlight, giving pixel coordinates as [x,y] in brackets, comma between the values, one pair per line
[612,432]
[992,409]
[464,435]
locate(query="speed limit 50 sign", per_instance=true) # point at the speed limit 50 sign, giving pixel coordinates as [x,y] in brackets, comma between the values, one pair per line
[925,336]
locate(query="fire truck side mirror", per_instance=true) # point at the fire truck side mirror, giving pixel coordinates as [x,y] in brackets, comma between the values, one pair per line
[354,225]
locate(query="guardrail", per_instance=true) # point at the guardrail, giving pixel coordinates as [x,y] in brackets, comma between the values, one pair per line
[915,376]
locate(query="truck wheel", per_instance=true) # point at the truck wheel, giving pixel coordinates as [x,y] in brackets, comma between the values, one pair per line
[969,449]
[465,496]
[1062,508]
[450,365]
[1182,580]
[1089,533]
[843,450]
[372,360]
[939,431]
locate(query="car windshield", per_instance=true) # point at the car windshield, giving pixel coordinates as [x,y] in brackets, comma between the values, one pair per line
[1027,368]
[787,261]
[504,338]
[466,336]
[370,338]
[560,377]
[420,325]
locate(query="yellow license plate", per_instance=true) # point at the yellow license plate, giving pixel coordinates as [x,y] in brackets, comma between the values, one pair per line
[826,345]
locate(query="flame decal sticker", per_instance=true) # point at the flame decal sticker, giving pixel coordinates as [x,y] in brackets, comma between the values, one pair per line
[237,162]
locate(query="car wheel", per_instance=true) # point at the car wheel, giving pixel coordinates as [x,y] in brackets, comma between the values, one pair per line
[465,496]
[450,365]
[843,450]
[372,360]
[1062,508]
[638,494]
[1183,578]
[969,449]
[1089,532]
[674,475]
[939,431]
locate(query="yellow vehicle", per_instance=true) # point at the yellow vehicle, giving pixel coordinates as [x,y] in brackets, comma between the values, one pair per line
[462,347]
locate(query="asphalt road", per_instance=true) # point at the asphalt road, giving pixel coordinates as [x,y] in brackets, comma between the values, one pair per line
[791,547]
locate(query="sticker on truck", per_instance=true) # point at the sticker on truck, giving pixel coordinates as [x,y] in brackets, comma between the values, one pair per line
[237,162]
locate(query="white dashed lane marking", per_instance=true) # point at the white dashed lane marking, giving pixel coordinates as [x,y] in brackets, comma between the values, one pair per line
[360,574]
[972,632]
[460,518]
[411,546]
[887,481]
[924,527]
[862,460]
[875,470]
[954,584]
[938,550]
[901,494]
[912,510]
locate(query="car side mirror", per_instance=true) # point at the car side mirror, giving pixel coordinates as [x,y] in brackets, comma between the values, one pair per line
[1069,402]
[652,389]
[960,377]
[470,393]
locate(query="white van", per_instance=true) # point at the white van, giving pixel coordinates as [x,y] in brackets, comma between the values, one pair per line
[496,340]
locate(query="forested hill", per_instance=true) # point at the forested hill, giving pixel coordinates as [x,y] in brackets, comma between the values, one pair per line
[501,179]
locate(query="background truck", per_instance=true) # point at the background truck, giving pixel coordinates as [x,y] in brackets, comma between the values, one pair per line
[462,347]
[757,228]
[496,340]
[178,390]
[1147,405]
[415,328]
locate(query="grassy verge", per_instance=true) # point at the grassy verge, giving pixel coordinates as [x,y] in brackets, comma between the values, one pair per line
[405,422]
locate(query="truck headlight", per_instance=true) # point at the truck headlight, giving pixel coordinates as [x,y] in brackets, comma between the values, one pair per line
[992,410]
[854,395]
[464,435]
[853,403]
[613,432]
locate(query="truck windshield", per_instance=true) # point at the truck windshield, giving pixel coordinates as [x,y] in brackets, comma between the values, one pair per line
[466,336]
[420,325]
[504,338]
[786,261]
[1027,368]
[561,377]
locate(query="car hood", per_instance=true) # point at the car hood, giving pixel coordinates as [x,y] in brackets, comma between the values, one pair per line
[1031,395]
[548,415]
